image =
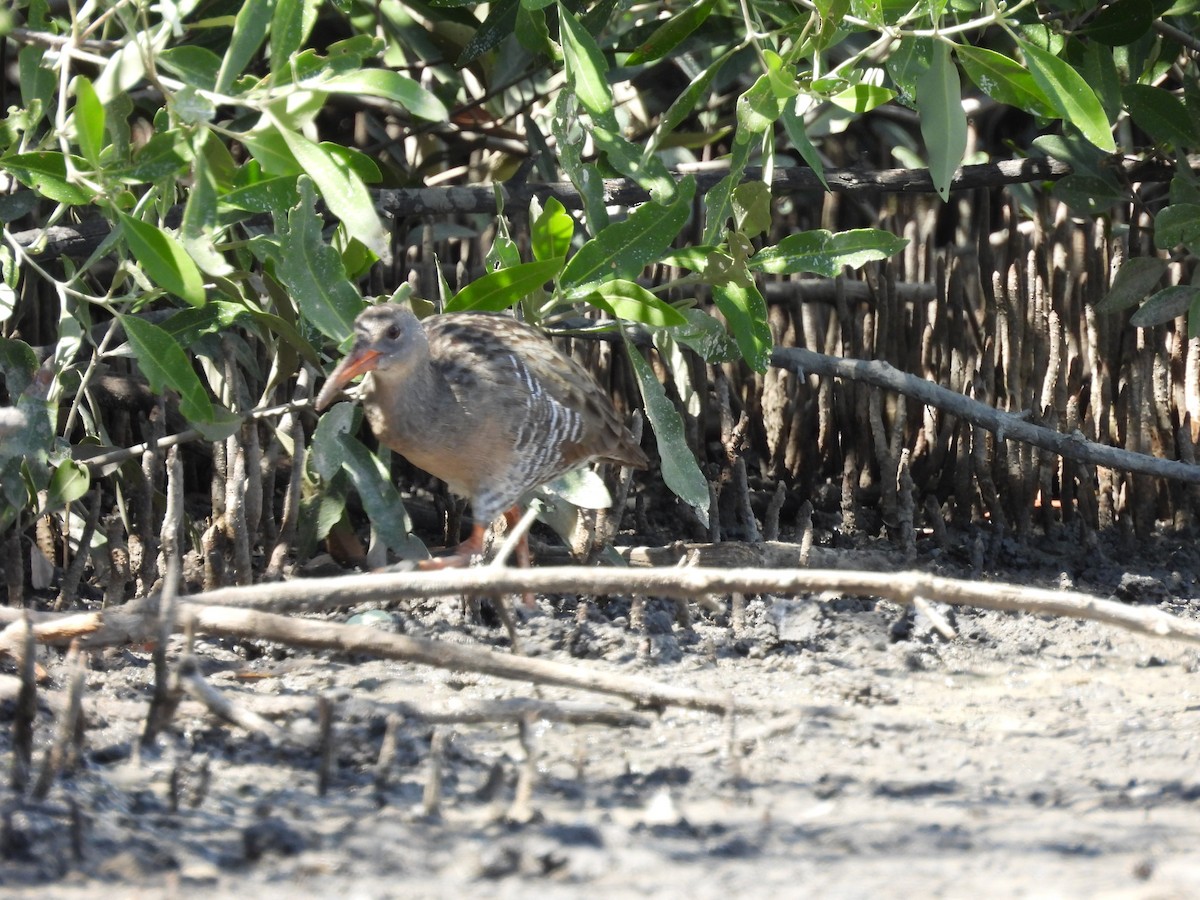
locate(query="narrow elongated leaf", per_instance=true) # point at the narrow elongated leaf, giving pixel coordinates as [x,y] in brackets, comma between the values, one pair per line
[631,301]
[197,66]
[312,271]
[46,172]
[385,509]
[335,448]
[165,365]
[341,189]
[499,24]
[499,290]
[552,231]
[1004,80]
[164,259]
[390,86]
[1160,114]
[685,105]
[746,312]
[625,248]
[861,98]
[1165,306]
[585,176]
[249,31]
[679,470]
[198,228]
[648,171]
[1134,280]
[669,35]
[1121,23]
[89,120]
[1070,95]
[291,22]
[586,68]
[825,253]
[943,122]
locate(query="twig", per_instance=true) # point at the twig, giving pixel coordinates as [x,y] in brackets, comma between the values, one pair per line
[431,797]
[194,683]
[66,727]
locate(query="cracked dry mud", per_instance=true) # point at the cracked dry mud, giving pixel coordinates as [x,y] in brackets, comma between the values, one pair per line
[1028,757]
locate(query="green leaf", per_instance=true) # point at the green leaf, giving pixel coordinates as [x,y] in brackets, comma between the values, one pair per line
[570,141]
[1121,23]
[752,208]
[1070,95]
[291,22]
[623,249]
[632,302]
[943,122]
[69,482]
[334,447]
[1160,114]
[861,98]
[679,470]
[648,171]
[706,336]
[586,68]
[499,24]
[1177,224]
[198,227]
[390,86]
[341,189]
[1134,280]
[793,124]
[249,31]
[825,253]
[46,172]
[271,195]
[164,259]
[669,35]
[165,365]
[758,109]
[552,231]
[312,271]
[1165,306]
[1004,80]
[193,65]
[499,290]
[685,105]
[89,120]
[746,312]
[166,154]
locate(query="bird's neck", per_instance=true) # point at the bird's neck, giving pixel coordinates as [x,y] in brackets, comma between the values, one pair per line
[401,402]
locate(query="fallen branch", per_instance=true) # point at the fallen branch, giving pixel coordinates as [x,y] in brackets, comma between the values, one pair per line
[1006,426]
[253,625]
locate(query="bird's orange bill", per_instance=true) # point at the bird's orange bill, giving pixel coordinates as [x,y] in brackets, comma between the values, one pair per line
[359,362]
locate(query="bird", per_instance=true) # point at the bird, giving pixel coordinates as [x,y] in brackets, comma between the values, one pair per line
[485,403]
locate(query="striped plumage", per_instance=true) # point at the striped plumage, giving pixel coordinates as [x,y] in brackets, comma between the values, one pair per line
[483,402]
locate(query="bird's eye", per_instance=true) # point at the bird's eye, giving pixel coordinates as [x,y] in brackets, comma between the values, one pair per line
[392,333]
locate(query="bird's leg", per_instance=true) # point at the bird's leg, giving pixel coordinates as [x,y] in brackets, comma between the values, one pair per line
[461,556]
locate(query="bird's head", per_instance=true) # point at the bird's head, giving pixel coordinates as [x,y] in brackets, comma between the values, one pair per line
[385,338]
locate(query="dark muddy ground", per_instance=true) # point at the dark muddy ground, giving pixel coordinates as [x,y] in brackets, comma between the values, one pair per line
[1028,757]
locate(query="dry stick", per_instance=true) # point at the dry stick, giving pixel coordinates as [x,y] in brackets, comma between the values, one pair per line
[325,737]
[387,755]
[25,713]
[65,731]
[193,682]
[431,798]
[167,690]
[521,809]
[74,573]
[1004,425]
[899,587]
[478,712]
